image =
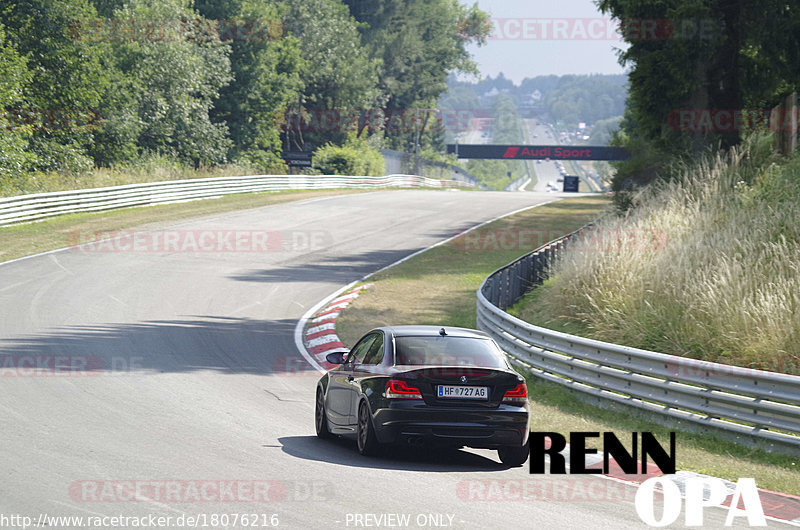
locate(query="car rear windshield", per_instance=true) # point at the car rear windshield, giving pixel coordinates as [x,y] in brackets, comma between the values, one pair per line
[448,351]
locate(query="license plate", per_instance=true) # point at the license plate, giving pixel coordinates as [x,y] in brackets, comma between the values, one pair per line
[462,392]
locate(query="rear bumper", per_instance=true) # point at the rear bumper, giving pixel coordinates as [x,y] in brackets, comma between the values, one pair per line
[413,421]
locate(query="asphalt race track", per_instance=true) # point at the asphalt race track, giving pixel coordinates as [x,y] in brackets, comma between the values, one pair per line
[187,395]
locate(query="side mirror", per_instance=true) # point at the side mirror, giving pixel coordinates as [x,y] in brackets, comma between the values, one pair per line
[337,357]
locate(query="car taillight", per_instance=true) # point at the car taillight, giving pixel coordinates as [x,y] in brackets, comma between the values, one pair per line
[397,389]
[518,394]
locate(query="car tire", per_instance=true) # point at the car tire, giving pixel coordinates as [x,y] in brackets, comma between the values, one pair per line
[513,456]
[320,418]
[365,432]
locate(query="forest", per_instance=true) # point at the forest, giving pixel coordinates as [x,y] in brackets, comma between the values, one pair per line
[87,84]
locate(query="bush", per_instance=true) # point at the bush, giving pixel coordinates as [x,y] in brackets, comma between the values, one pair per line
[68,158]
[262,161]
[357,157]
[15,160]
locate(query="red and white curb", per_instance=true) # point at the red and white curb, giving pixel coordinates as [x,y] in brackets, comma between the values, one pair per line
[320,336]
[781,507]
[300,327]
[319,339]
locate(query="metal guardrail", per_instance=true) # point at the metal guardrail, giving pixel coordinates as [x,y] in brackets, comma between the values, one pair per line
[26,208]
[752,405]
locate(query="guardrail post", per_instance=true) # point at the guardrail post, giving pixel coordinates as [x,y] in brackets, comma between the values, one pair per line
[525,264]
[514,288]
[548,253]
[504,289]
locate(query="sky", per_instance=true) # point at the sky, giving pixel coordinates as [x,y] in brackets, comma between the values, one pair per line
[535,37]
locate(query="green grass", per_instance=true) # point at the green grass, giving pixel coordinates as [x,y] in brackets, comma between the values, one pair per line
[438,287]
[26,239]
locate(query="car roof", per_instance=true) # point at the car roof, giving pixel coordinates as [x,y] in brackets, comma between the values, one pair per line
[433,331]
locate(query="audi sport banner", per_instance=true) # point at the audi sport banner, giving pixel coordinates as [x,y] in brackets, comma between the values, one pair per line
[539,152]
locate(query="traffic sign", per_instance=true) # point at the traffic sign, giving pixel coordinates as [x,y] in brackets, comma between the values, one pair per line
[297,158]
[571,183]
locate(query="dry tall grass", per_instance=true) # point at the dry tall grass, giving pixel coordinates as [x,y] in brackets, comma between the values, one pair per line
[152,168]
[704,266]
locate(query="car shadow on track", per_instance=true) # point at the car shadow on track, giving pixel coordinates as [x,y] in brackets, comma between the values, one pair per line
[343,452]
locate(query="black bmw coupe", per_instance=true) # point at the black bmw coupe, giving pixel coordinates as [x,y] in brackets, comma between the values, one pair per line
[425,385]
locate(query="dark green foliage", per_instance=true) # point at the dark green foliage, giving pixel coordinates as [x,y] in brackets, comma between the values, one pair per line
[713,54]
[338,73]
[162,98]
[419,42]
[14,77]
[87,83]
[357,157]
[64,79]
[266,67]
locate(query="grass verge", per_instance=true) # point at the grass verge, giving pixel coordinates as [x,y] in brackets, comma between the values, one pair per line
[438,287]
[26,239]
[152,168]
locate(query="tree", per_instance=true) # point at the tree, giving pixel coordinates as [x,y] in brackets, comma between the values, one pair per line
[585,99]
[714,55]
[337,73]
[419,42]
[266,66]
[357,156]
[165,84]
[603,131]
[14,76]
[66,82]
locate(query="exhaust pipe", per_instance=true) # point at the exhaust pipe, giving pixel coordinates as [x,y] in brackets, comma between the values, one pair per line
[416,441]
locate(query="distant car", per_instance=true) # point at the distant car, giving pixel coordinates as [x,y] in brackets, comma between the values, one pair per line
[425,385]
